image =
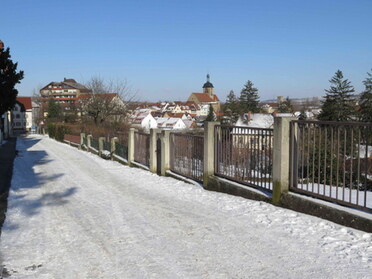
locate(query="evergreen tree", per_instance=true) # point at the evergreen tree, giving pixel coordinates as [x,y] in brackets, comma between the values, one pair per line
[249,100]
[339,102]
[54,110]
[365,101]
[232,101]
[211,116]
[9,77]
[231,107]
[286,106]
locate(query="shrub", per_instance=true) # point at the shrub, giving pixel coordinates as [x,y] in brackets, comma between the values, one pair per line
[52,130]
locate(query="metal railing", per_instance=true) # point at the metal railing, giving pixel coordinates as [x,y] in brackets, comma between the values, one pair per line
[94,143]
[333,161]
[107,144]
[142,148]
[244,155]
[186,155]
[121,150]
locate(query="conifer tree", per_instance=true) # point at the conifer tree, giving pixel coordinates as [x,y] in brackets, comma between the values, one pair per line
[249,100]
[232,101]
[54,110]
[339,101]
[231,107]
[285,106]
[211,116]
[365,101]
[9,77]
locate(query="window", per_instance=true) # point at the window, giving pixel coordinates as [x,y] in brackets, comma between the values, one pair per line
[18,116]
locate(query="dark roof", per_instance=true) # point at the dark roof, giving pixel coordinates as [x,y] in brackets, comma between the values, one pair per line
[208,85]
[71,83]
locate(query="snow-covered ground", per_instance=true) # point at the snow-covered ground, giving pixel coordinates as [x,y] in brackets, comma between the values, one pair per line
[74,215]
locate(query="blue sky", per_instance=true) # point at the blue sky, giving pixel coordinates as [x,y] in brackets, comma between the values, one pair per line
[164,49]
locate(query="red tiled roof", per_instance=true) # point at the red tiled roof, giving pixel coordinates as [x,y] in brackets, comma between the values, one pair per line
[205,98]
[175,115]
[26,101]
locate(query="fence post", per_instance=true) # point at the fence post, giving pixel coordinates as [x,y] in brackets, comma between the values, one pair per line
[165,147]
[114,140]
[131,146]
[101,147]
[208,151]
[82,137]
[281,150]
[89,141]
[153,138]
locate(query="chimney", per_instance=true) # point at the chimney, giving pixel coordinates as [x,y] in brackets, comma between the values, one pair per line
[249,116]
[275,113]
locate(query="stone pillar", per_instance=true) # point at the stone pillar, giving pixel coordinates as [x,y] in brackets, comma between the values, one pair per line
[89,141]
[165,148]
[82,137]
[113,147]
[153,156]
[208,151]
[131,146]
[101,145]
[281,155]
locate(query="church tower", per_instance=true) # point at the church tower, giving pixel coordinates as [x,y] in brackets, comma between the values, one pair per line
[208,87]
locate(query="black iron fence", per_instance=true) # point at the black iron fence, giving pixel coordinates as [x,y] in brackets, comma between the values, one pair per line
[186,155]
[94,143]
[244,155]
[107,144]
[142,150]
[121,150]
[333,161]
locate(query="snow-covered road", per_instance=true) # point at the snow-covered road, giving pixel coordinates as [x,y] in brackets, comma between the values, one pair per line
[74,215]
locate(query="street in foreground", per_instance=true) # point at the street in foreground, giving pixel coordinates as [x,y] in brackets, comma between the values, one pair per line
[74,215]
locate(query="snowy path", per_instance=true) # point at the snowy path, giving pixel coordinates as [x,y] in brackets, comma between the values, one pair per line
[74,215]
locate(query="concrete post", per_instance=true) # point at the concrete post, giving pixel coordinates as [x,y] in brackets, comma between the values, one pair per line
[82,138]
[281,155]
[131,146]
[153,156]
[165,150]
[89,141]
[208,151]
[101,145]
[113,147]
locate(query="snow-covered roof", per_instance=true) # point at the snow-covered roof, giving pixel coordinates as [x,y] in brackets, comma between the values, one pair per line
[257,120]
[167,122]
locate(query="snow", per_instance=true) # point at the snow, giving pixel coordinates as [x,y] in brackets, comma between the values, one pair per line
[74,215]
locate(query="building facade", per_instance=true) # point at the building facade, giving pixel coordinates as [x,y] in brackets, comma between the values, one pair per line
[207,97]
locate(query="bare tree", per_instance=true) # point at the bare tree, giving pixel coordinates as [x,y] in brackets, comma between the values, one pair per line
[108,100]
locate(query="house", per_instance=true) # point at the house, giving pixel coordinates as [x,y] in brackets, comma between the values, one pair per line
[256,139]
[18,117]
[143,119]
[206,98]
[171,123]
[64,92]
[27,103]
